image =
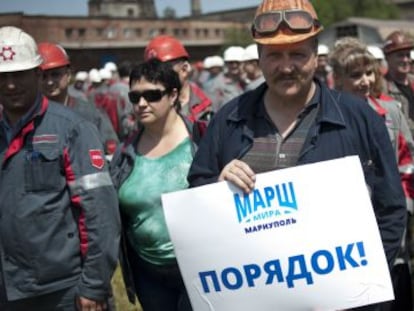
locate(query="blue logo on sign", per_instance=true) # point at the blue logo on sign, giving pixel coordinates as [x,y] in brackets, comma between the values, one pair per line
[261,204]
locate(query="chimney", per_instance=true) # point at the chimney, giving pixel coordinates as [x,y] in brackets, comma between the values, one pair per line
[195,7]
[147,8]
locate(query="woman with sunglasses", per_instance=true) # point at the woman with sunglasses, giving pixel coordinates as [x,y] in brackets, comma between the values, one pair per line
[153,161]
[356,70]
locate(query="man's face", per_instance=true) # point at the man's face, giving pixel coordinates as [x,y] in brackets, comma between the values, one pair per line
[18,90]
[79,85]
[322,63]
[399,62]
[234,69]
[55,82]
[250,67]
[289,69]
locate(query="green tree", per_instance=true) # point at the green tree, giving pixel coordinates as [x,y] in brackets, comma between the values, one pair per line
[330,12]
[237,36]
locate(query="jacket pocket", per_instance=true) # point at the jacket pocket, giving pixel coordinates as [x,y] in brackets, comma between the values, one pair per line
[54,239]
[43,171]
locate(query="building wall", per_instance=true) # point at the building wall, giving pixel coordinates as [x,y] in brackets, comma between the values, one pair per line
[122,8]
[84,32]
[89,40]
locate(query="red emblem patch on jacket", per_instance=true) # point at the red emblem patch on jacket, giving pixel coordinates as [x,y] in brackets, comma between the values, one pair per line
[97,158]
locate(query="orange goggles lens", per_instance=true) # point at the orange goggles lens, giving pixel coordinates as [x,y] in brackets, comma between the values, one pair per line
[297,20]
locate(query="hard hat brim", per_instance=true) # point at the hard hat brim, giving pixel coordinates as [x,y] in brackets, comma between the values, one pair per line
[21,66]
[287,37]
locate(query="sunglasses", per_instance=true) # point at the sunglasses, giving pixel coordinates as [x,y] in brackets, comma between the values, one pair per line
[150,96]
[298,21]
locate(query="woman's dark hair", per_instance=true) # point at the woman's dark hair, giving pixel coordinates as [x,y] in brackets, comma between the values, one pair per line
[155,71]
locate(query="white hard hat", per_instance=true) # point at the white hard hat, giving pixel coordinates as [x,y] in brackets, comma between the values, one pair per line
[94,76]
[18,50]
[110,66]
[323,49]
[216,61]
[234,54]
[251,52]
[376,52]
[213,61]
[105,73]
[81,76]
[207,62]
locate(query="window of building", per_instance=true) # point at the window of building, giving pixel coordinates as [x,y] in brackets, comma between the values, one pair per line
[99,32]
[184,32]
[130,13]
[176,32]
[153,32]
[217,32]
[81,32]
[128,33]
[197,32]
[68,32]
[206,32]
[111,33]
[347,31]
[162,31]
[138,32]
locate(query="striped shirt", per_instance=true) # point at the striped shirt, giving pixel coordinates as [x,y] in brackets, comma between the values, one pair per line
[270,150]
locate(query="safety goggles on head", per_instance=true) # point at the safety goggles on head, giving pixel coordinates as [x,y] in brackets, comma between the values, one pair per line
[150,96]
[268,23]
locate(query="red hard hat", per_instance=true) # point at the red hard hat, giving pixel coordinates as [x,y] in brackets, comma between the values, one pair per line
[53,56]
[165,48]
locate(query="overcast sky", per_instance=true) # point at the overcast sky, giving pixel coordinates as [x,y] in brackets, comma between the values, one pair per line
[80,7]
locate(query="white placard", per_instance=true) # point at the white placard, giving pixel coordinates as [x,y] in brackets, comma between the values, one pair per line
[305,239]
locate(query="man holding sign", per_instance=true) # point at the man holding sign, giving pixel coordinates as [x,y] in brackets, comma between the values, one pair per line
[294,119]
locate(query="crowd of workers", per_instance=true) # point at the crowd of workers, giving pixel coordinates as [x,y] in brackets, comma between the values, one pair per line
[86,156]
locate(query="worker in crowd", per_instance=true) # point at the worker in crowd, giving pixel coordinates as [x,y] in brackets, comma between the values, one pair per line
[98,94]
[229,83]
[194,102]
[56,77]
[399,84]
[119,91]
[323,70]
[356,70]
[59,223]
[213,66]
[253,73]
[379,56]
[113,69]
[294,119]
[78,87]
